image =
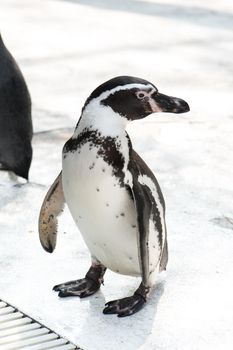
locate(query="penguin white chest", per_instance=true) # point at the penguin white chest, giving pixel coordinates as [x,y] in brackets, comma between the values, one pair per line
[102,209]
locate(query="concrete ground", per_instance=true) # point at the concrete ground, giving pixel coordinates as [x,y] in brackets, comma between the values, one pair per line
[65,49]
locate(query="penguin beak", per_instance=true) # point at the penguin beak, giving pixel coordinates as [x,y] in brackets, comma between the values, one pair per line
[169,104]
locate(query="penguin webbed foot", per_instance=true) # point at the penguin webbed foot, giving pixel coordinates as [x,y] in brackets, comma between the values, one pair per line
[82,288]
[129,305]
[124,307]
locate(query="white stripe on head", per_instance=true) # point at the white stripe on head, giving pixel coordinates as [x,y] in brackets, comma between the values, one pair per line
[107,93]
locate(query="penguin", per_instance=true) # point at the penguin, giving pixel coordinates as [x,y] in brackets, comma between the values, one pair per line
[113,196]
[15,117]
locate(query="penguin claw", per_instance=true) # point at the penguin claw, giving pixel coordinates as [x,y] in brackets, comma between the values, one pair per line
[81,288]
[125,307]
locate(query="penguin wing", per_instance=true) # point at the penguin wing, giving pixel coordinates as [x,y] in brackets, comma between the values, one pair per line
[52,207]
[150,207]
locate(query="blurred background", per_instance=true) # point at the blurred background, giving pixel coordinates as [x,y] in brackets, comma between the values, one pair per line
[67,48]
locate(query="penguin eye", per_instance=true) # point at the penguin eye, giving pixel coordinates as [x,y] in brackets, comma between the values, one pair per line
[141,95]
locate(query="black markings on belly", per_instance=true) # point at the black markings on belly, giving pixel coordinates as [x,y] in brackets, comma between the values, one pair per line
[108,148]
[92,166]
[134,226]
[121,214]
[107,205]
[97,189]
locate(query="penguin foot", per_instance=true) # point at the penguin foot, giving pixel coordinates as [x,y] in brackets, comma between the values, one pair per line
[83,287]
[130,305]
[125,307]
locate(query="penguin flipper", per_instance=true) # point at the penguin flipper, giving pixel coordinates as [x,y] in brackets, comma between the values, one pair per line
[143,207]
[164,258]
[51,208]
[150,205]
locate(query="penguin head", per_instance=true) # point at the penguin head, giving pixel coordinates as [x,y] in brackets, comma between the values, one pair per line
[133,98]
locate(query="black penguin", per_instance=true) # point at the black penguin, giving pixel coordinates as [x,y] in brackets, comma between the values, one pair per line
[112,194]
[15,117]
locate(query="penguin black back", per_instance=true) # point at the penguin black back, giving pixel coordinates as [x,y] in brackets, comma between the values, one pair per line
[15,116]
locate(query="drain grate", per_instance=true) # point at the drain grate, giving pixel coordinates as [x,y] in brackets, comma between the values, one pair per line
[18,331]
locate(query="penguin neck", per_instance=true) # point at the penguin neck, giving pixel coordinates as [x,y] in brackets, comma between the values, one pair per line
[104,131]
[102,119]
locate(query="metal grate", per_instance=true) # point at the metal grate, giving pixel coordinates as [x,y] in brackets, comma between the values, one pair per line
[18,331]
